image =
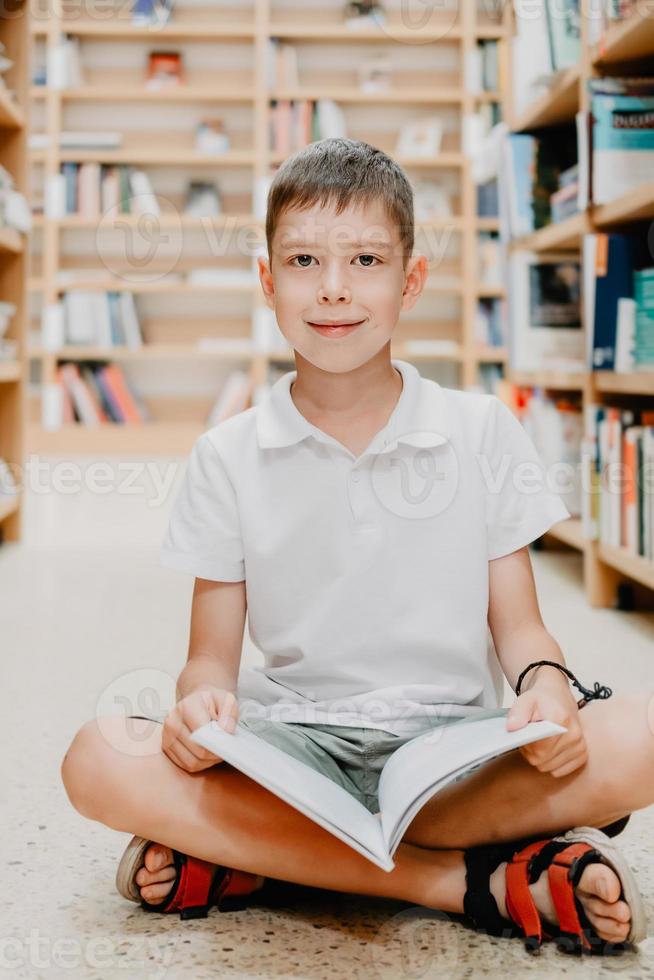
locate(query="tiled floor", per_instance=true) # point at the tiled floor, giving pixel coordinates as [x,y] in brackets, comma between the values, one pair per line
[84,606]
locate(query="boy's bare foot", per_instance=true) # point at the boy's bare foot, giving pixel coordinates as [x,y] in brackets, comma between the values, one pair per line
[155,878]
[598,891]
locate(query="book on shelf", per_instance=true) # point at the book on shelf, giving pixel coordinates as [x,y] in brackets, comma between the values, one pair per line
[63,64]
[295,124]
[489,323]
[413,774]
[281,65]
[165,70]
[94,394]
[96,319]
[545,312]
[555,425]
[618,302]
[529,175]
[482,67]
[617,456]
[622,135]
[431,200]
[563,19]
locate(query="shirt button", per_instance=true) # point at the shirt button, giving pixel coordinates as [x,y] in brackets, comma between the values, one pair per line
[355,477]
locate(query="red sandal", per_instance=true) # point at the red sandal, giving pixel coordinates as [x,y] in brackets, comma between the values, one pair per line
[197,886]
[564,858]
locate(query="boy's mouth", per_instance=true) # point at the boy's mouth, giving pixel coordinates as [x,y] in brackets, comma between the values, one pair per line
[336,328]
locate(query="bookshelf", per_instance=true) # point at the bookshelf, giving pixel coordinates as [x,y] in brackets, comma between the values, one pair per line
[626,48]
[241,92]
[13,274]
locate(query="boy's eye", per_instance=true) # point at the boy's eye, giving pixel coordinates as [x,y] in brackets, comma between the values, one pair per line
[366,260]
[302,265]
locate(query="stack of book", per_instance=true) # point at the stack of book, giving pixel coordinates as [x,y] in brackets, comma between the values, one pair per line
[94,394]
[91,189]
[618,303]
[617,456]
[96,319]
[294,124]
[622,136]
[530,174]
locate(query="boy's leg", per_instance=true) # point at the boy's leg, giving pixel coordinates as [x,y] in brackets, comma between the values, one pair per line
[222,816]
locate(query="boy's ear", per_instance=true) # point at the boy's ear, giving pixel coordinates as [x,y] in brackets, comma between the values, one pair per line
[266,280]
[415,279]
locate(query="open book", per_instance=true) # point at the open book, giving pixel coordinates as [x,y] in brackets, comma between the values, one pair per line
[415,772]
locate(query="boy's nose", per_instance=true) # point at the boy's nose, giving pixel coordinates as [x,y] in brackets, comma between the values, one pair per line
[334,289]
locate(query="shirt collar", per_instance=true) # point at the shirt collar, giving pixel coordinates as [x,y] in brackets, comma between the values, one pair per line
[418,419]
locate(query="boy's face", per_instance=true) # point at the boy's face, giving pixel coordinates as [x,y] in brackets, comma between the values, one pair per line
[343,268]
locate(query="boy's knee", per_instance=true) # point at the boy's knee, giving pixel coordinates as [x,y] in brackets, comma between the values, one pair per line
[83,767]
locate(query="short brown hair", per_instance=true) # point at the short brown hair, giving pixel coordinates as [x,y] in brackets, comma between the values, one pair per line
[340,172]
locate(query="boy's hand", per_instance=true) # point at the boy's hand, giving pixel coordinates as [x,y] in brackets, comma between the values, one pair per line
[560,754]
[192,712]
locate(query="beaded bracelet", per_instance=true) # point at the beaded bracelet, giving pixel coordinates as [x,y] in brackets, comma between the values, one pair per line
[600,691]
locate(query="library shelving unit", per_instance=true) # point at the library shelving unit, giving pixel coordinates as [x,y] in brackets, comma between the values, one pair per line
[626,48]
[320,29]
[13,253]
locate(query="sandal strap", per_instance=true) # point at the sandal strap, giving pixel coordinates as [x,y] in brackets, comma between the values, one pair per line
[194,882]
[519,902]
[564,873]
[480,909]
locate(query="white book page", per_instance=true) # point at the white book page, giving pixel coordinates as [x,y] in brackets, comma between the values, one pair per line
[313,794]
[415,769]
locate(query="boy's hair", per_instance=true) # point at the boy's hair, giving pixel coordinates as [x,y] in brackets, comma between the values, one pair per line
[338,172]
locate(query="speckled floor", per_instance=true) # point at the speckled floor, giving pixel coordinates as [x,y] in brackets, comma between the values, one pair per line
[83,604]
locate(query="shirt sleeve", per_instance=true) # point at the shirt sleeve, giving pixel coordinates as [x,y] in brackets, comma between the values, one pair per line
[204,534]
[520,503]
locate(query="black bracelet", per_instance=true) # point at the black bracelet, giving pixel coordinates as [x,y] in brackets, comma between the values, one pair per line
[600,691]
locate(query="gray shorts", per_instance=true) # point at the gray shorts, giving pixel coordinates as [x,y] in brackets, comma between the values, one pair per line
[352,757]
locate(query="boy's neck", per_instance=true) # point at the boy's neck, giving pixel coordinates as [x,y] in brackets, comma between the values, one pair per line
[362,395]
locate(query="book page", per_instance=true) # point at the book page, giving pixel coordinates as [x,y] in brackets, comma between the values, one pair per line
[313,794]
[430,761]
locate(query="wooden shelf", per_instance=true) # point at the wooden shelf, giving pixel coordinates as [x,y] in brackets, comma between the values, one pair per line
[633,566]
[557,381]
[9,505]
[146,353]
[636,383]
[636,205]
[118,93]
[158,286]
[162,156]
[397,96]
[11,115]
[491,355]
[10,371]
[627,40]
[556,106]
[190,24]
[169,438]
[570,533]
[564,235]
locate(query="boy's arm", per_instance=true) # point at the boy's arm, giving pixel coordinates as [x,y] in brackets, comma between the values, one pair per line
[520,637]
[216,637]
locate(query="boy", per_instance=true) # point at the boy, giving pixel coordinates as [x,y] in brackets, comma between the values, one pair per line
[380,523]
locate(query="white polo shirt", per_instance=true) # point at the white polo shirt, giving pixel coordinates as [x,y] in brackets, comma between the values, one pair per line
[366,577]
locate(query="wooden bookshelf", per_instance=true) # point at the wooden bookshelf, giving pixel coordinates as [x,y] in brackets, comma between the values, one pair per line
[218,92]
[13,273]
[627,48]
